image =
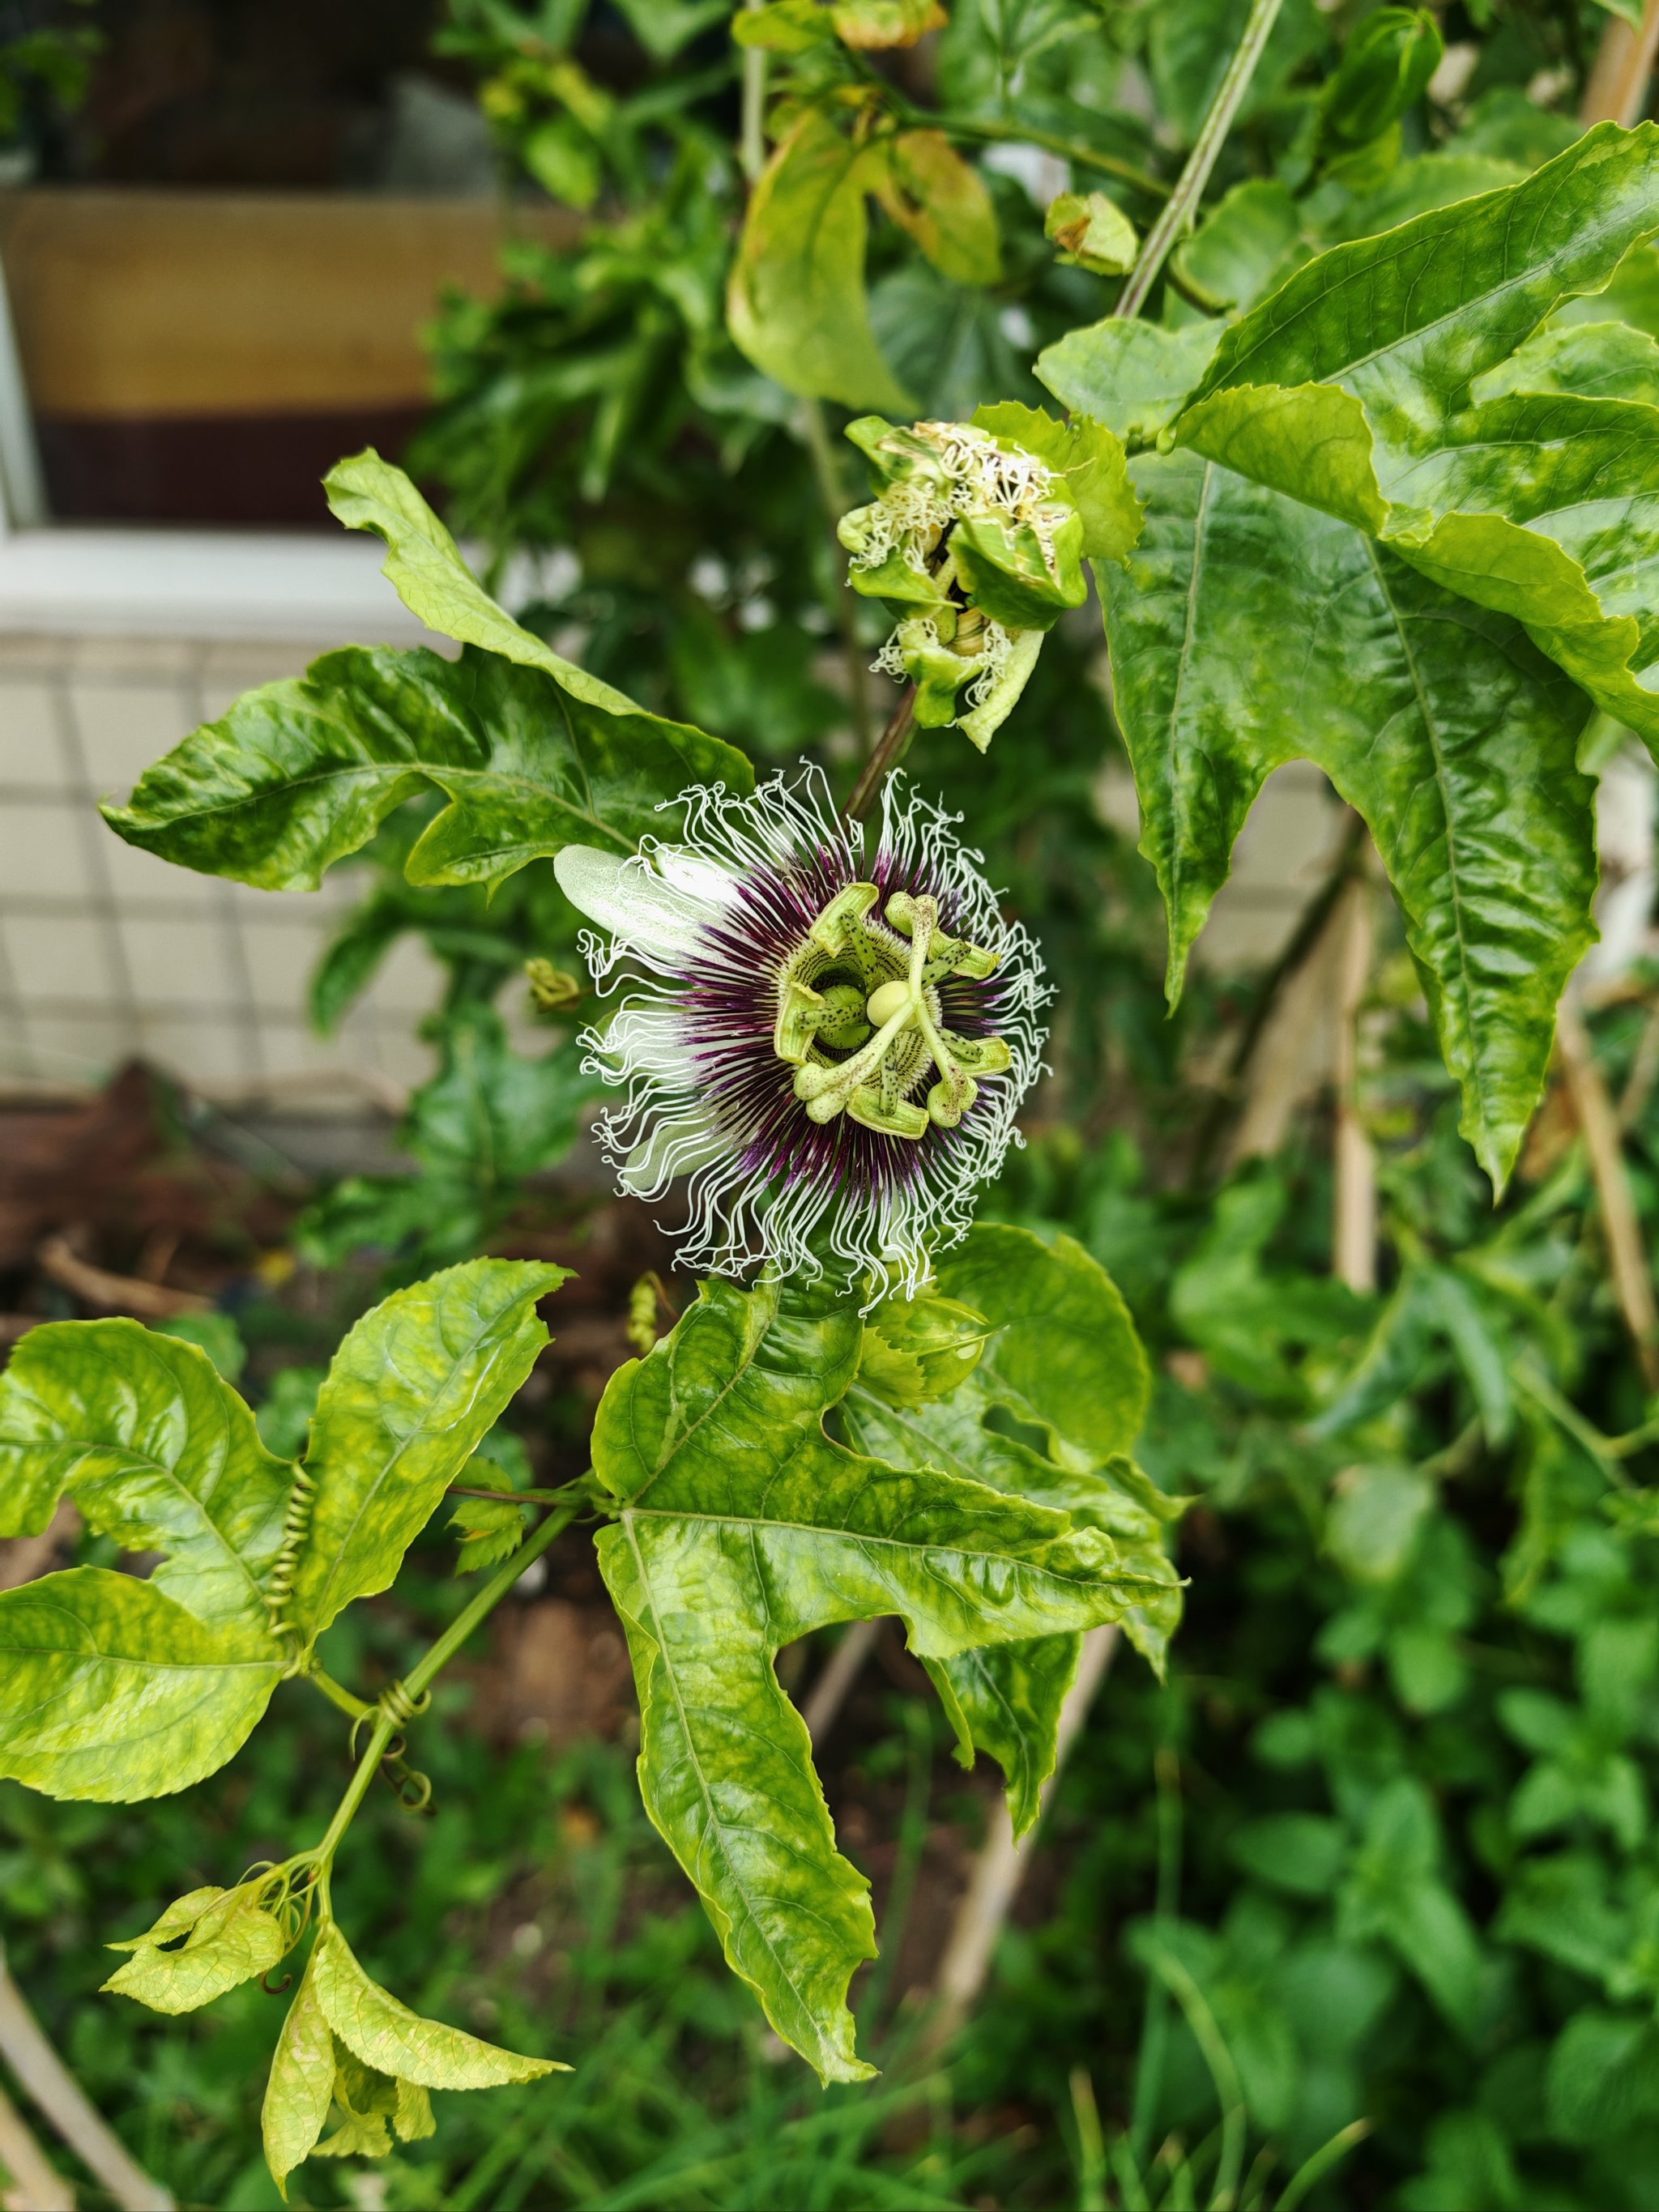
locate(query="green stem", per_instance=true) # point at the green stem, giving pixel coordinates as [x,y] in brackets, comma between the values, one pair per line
[890,748]
[1016,134]
[423,1674]
[1182,204]
[1155,2025]
[336,1692]
[508,1496]
[425,1670]
[384,1729]
[832,495]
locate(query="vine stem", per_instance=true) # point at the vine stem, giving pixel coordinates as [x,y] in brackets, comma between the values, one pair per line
[890,748]
[425,1671]
[1182,204]
[1067,150]
[832,496]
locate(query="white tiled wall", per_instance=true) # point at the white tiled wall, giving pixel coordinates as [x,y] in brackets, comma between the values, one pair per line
[105,952]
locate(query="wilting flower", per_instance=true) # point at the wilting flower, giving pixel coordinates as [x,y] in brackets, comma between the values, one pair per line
[977,544]
[832,1050]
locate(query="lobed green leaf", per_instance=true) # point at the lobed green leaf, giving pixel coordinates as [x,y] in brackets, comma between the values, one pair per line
[301,773]
[1433,718]
[740,1527]
[1005,1699]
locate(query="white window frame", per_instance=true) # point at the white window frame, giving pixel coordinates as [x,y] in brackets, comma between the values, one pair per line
[91,580]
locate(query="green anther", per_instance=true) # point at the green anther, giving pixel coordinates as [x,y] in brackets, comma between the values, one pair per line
[883,1033]
[889,1118]
[947,955]
[979,1055]
[842,915]
[801,1015]
[951,1097]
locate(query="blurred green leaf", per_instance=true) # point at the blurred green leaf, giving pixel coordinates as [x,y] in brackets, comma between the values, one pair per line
[797,305]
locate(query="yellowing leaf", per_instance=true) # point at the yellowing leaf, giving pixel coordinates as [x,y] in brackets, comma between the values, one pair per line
[871,24]
[302,2083]
[109,1690]
[231,1940]
[1092,232]
[412,1392]
[940,199]
[156,1449]
[797,305]
[388,2037]
[424,566]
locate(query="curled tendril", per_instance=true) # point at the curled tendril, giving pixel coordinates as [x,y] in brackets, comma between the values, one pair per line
[414,1789]
[275,1989]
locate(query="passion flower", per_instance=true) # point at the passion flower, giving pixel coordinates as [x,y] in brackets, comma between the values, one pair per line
[830,1049]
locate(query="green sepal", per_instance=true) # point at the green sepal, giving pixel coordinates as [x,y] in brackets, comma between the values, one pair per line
[1090,460]
[1016,578]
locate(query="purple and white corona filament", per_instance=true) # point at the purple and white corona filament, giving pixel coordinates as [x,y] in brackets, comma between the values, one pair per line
[831,1049]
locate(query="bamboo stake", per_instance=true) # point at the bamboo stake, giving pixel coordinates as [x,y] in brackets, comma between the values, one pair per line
[1002,1862]
[1617,89]
[1598,1123]
[1353,1219]
[828,1692]
[48,2081]
[29,2180]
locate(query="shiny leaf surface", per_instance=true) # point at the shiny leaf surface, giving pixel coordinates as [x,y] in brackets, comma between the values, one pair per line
[301,773]
[741,1527]
[1250,630]
[155,1449]
[412,1391]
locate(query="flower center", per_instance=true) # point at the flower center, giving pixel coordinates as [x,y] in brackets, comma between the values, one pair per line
[860,1019]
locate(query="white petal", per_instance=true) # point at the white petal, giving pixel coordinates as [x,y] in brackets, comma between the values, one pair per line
[652,917]
[645,1040]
